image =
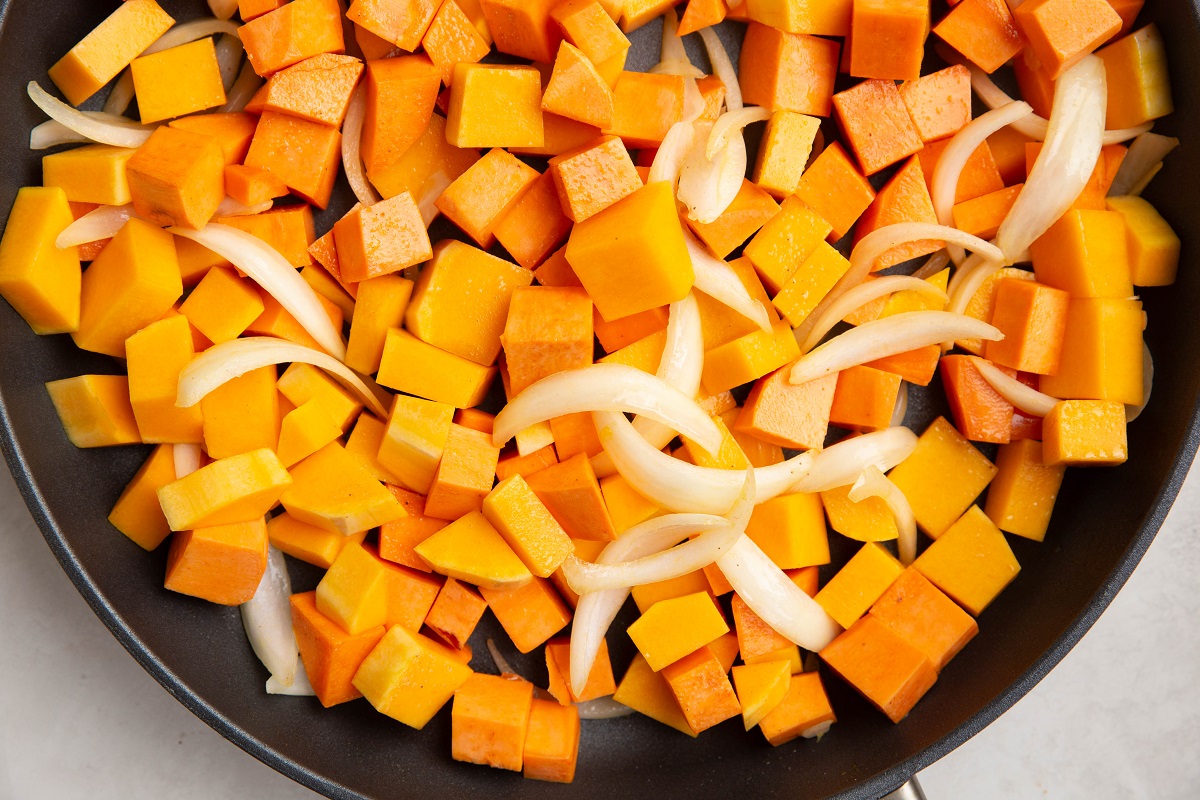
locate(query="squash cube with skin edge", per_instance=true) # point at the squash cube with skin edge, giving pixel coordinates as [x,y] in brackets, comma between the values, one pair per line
[155,356]
[40,281]
[784,152]
[381,305]
[495,106]
[241,488]
[942,477]
[177,81]
[857,585]
[787,71]
[353,592]
[1152,246]
[333,490]
[222,563]
[109,48]
[748,358]
[551,742]
[761,687]
[790,529]
[645,106]
[411,366]
[702,688]
[330,655]
[670,629]
[782,413]
[303,431]
[921,614]
[548,330]
[888,671]
[591,178]
[307,543]
[1085,433]
[1141,87]
[528,527]
[290,34]
[490,718]
[385,238]
[529,614]
[971,561]
[177,178]
[137,513]
[222,305]
[461,301]
[464,476]
[95,410]
[1021,497]
[415,440]
[487,190]
[803,711]
[471,550]
[303,382]
[455,613]
[94,173]
[810,283]
[242,414]
[648,693]
[410,677]
[1102,352]
[600,681]
[304,155]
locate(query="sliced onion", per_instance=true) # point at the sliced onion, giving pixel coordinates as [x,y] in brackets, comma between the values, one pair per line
[243,89]
[673,58]
[1133,412]
[873,483]
[723,68]
[186,458]
[1146,152]
[94,226]
[229,58]
[668,160]
[862,294]
[120,96]
[842,463]
[595,611]
[270,270]
[1024,398]
[108,130]
[693,101]
[431,190]
[301,686]
[717,279]
[946,174]
[771,594]
[223,9]
[351,153]
[822,728]
[232,208]
[731,124]
[606,387]
[267,618]
[52,133]
[936,263]
[679,486]
[499,660]
[888,337]
[707,186]
[603,708]
[223,362]
[900,411]
[1141,185]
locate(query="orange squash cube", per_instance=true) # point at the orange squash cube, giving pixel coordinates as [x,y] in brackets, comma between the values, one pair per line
[95,410]
[592,178]
[887,39]
[702,688]
[600,682]
[495,106]
[409,83]
[645,106]
[787,71]
[222,564]
[1061,33]
[304,155]
[803,711]
[385,238]
[317,89]
[1033,319]
[490,718]
[410,677]
[484,193]
[904,198]
[891,673]
[177,178]
[577,91]
[177,81]
[399,538]
[452,39]
[523,28]
[785,242]
[921,614]
[1021,497]
[290,34]
[1085,433]
[551,742]
[401,22]
[530,614]
[835,190]
[984,31]
[464,476]
[874,103]
[535,225]
[979,411]
[222,305]
[572,494]
[330,655]
[971,561]
[750,210]
[528,527]
[549,330]
[788,415]
[455,613]
[588,26]
[939,103]
[1101,352]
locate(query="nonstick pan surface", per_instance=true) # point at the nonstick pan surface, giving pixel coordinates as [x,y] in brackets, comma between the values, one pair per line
[1104,521]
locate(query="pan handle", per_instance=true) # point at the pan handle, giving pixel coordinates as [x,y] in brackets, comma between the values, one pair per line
[909,791]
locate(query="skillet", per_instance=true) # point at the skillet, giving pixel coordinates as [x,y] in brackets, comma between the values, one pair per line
[1103,523]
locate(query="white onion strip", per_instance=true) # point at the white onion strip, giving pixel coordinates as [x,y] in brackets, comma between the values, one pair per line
[223,362]
[708,185]
[186,458]
[672,59]
[606,387]
[352,161]
[104,131]
[595,611]
[731,124]
[1133,412]
[873,483]
[243,89]
[888,337]
[301,686]
[900,410]
[1024,398]
[842,463]
[267,618]
[431,190]
[717,279]
[100,223]
[603,708]
[771,594]
[1146,153]
[232,208]
[679,486]
[668,160]
[229,58]
[862,294]
[723,68]
[270,270]
[52,133]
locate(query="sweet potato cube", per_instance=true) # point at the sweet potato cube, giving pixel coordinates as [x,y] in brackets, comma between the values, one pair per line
[308,543]
[942,477]
[522,28]
[787,71]
[809,284]
[790,529]
[1084,253]
[1085,433]
[469,549]
[1021,497]
[600,681]
[750,209]
[409,365]
[1061,32]
[410,677]
[918,612]
[673,628]
[317,89]
[304,155]
[410,594]
[95,410]
[788,415]
[870,104]
[748,358]
[452,39]
[648,693]
[835,190]
[330,655]
[177,178]
[803,711]
[980,413]
[233,132]
[551,742]
[983,215]
[760,688]
[530,614]
[137,513]
[905,198]
[490,719]
[535,225]
[857,585]
[592,178]
[888,671]
[784,151]
[354,592]
[94,173]
[155,355]
[645,106]
[1152,246]
[864,399]
[528,527]
[464,476]
[984,31]
[1101,353]
[980,175]
[399,538]
[109,48]
[222,563]
[887,38]
[484,193]
[971,561]
[455,613]
[177,81]
[400,22]
[40,281]
[702,688]
[292,33]
[416,169]
[549,329]
[588,26]
[240,488]
[571,493]
[382,239]
[495,106]
[381,305]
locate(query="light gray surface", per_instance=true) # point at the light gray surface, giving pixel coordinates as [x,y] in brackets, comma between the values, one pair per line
[80,719]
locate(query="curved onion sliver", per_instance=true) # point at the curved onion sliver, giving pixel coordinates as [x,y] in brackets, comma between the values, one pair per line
[842,463]
[901,408]
[270,270]
[1024,398]
[888,337]
[1144,155]
[1133,412]
[243,89]
[267,618]
[233,208]
[223,362]
[301,686]
[603,708]
[723,68]
[668,160]
[186,458]
[229,58]
[707,186]
[606,387]
[352,161]
[673,58]
[100,223]
[732,124]
[873,483]
[110,130]
[717,279]
[859,296]
[52,133]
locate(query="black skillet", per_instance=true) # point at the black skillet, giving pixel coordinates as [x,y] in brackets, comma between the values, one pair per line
[1104,522]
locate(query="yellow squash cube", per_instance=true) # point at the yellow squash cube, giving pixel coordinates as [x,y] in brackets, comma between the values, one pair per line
[334,490]
[785,242]
[414,367]
[648,692]
[790,529]
[155,356]
[94,173]
[761,687]
[308,543]
[625,505]
[137,513]
[242,415]
[470,549]
[783,153]
[644,354]
[303,382]
[1084,253]
[1021,497]
[857,585]
[222,305]
[353,593]
[95,410]
[1153,247]
[971,561]
[648,594]
[869,520]
[1085,433]
[465,474]
[1139,87]
[810,283]
[749,358]
[528,527]
[495,106]
[410,677]
[415,438]
[39,280]
[303,431]
[1101,353]
[671,629]
[364,443]
[178,81]
[236,489]
[379,307]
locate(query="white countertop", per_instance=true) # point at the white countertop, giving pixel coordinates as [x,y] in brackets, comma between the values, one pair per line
[1120,717]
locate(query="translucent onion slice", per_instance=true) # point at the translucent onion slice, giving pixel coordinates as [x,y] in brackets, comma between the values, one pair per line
[1024,398]
[107,130]
[888,337]
[352,161]
[595,611]
[431,190]
[717,279]
[967,280]
[862,294]
[679,486]
[732,124]
[771,594]
[603,708]
[606,387]
[950,164]
[270,270]
[707,186]
[873,483]
[1066,161]
[668,160]
[229,58]
[186,458]
[232,208]
[243,89]
[673,58]
[723,68]
[223,9]
[223,362]
[52,133]
[900,411]
[1146,152]
[267,618]
[1133,412]
[301,686]
[100,223]
[120,96]
[842,463]
[693,101]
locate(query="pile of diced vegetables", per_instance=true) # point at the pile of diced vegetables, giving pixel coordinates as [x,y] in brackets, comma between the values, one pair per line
[206,277]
